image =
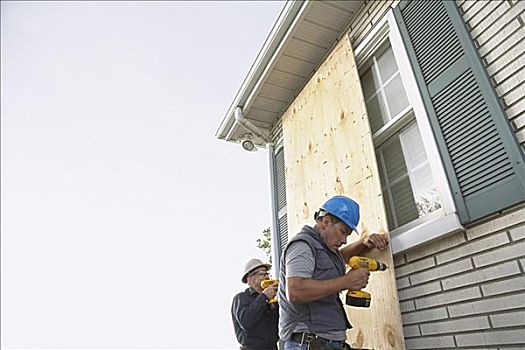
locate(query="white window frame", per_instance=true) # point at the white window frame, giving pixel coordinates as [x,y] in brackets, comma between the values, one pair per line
[444,220]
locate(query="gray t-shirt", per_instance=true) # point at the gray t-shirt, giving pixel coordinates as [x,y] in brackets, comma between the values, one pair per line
[300,262]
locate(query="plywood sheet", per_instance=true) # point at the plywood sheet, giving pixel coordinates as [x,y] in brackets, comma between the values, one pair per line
[329,151]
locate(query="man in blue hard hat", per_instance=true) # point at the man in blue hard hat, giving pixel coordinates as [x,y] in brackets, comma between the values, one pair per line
[312,274]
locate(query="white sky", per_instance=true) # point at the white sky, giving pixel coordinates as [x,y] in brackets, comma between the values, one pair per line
[125,222]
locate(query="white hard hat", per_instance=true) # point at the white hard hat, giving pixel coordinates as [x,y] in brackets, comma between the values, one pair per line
[252,265]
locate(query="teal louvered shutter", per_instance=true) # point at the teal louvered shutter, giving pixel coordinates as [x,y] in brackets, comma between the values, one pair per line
[280,201]
[283,232]
[484,165]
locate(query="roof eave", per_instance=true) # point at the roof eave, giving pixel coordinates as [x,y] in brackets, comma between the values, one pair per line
[282,26]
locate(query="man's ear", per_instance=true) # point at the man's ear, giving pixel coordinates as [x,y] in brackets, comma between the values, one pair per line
[326,221]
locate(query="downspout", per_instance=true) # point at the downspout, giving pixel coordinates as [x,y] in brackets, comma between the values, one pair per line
[263,134]
[248,125]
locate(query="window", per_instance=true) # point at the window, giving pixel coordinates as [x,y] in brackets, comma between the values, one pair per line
[418,200]
[384,93]
[483,161]
[407,181]
[445,151]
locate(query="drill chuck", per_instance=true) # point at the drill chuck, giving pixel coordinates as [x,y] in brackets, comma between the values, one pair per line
[381,266]
[360,262]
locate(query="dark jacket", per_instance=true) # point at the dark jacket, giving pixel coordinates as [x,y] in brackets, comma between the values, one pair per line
[255,321]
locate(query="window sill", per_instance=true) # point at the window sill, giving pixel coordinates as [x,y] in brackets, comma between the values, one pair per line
[429,228]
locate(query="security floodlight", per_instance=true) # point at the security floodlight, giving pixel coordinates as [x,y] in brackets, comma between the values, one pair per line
[248,145]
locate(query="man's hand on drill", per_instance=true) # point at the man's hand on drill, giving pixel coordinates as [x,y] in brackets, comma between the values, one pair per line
[357,279]
[375,240]
[271,291]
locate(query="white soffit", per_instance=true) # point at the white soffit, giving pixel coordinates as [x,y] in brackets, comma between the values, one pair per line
[302,37]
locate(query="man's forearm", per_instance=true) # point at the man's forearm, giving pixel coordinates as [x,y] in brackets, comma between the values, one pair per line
[305,290]
[353,249]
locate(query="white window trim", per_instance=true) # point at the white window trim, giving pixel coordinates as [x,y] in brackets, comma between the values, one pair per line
[445,220]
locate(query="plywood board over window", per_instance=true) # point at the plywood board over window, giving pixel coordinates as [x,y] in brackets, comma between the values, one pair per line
[329,151]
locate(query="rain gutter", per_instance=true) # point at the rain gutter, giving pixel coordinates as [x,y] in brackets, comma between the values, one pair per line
[283,28]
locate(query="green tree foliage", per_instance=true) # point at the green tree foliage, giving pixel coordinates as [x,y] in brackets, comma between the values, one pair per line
[265,244]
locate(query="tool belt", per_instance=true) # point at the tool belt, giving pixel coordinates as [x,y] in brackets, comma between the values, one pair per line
[317,343]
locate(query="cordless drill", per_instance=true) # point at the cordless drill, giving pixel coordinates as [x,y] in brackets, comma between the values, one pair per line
[265,284]
[361,298]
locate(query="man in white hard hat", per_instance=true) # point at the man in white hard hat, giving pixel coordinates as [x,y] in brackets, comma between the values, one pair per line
[256,320]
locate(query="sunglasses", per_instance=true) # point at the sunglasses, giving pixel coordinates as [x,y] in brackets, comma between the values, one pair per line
[260,273]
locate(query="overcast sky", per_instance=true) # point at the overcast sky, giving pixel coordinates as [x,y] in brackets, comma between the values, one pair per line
[125,222]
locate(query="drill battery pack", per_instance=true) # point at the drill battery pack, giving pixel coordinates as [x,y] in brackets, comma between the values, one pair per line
[358,298]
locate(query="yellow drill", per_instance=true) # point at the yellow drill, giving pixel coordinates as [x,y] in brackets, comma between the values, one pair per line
[361,298]
[265,284]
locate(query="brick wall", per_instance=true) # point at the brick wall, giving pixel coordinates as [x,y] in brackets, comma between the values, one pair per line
[367,17]
[466,290]
[276,132]
[498,30]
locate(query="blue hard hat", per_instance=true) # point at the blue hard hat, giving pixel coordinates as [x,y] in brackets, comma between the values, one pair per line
[344,209]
